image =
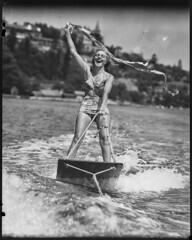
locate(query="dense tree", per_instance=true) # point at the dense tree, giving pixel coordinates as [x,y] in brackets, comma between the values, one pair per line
[49,32]
[122,93]
[113,93]
[78,41]
[154,59]
[12,40]
[75,77]
[111,49]
[12,74]
[135,57]
[136,97]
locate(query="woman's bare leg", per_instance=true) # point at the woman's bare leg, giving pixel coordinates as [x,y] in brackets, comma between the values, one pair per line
[103,136]
[82,122]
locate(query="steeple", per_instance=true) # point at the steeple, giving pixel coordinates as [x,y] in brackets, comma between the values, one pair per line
[97,28]
[97,33]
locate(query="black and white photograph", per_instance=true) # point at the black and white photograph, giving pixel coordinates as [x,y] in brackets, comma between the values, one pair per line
[95,119]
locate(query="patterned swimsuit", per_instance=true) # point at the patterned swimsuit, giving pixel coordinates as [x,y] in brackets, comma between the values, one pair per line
[93,88]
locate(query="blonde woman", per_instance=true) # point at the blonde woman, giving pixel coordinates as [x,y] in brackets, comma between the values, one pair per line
[97,86]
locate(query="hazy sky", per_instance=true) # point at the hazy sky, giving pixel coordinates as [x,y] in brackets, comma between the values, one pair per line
[141,30]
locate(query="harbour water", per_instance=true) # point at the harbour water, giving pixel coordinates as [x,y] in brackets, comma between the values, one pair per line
[153,202]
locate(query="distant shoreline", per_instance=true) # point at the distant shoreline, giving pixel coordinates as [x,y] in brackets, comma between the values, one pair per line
[74,100]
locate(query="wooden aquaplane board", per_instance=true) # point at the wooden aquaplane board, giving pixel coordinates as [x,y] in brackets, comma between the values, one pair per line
[65,171]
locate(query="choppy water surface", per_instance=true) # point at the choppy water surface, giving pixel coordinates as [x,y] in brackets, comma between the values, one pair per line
[151,202]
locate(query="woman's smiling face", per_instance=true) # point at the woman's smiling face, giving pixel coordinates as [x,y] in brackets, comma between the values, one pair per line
[100,58]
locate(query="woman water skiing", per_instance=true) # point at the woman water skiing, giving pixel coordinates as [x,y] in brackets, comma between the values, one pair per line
[97,86]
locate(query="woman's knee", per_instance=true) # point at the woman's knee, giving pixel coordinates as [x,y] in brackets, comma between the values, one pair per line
[104,140]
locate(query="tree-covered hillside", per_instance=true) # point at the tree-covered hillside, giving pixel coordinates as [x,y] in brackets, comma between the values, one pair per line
[25,66]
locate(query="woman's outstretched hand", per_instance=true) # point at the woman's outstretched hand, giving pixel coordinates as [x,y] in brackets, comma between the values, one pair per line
[69,27]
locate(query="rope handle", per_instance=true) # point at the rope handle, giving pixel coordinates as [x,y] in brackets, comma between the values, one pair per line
[82,135]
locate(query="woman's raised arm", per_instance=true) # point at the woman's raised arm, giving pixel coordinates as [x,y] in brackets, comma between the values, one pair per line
[82,64]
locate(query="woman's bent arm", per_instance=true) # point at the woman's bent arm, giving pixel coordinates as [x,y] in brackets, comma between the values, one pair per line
[107,89]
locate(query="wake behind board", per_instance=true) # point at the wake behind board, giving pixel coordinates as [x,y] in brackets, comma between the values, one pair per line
[81,172]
